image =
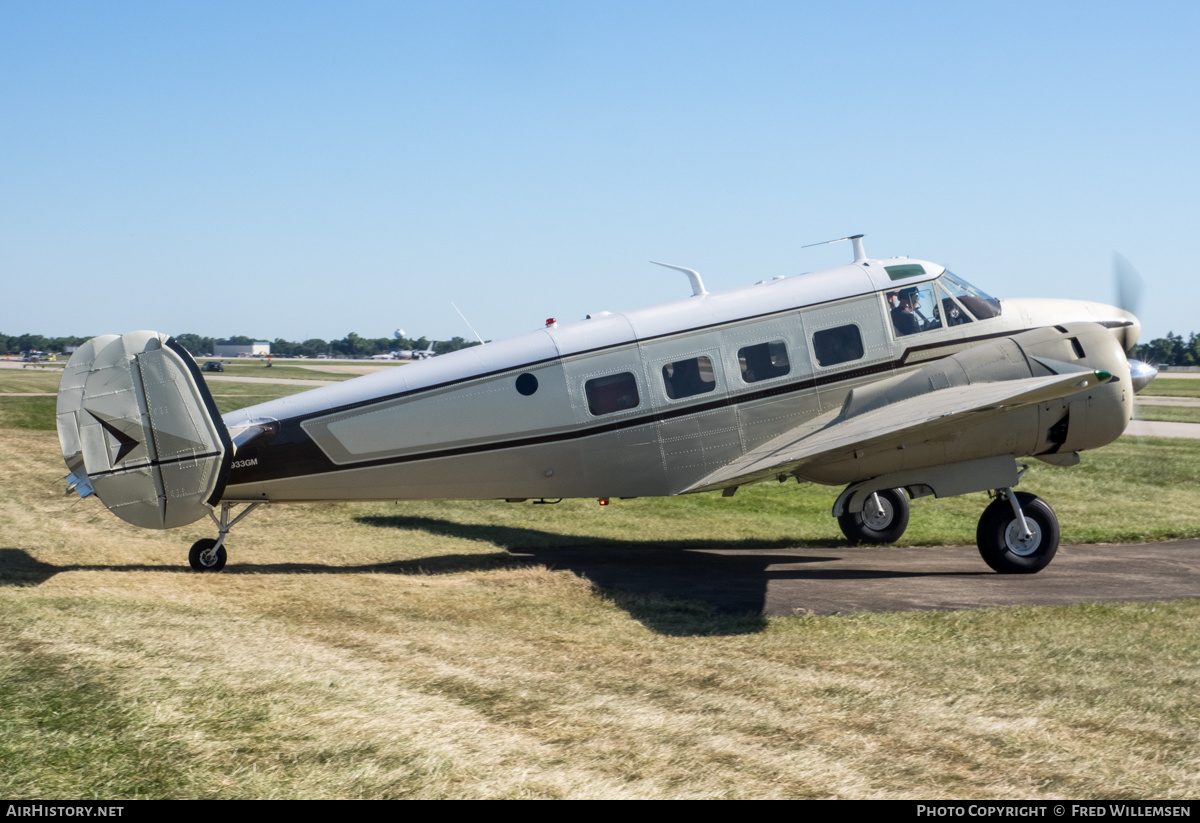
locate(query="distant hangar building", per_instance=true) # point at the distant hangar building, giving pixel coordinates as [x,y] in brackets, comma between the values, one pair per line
[241,349]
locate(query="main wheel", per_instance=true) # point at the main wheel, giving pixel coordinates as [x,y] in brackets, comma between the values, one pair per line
[212,562]
[1003,546]
[884,524]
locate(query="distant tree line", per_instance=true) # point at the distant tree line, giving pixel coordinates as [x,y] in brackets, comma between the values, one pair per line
[1171,350]
[349,346]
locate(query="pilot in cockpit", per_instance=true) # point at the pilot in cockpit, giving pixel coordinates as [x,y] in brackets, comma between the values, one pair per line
[904,303]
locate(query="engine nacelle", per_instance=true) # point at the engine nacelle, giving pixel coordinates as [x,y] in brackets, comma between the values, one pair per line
[1053,430]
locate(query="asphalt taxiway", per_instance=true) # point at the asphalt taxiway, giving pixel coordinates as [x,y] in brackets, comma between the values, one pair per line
[848,579]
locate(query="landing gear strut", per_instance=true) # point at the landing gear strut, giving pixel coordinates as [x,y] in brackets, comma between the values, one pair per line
[209,555]
[883,519]
[1018,533]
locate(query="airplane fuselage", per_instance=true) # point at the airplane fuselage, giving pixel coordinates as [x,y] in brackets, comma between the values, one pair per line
[642,403]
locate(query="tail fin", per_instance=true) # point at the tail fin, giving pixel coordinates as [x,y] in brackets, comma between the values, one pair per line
[139,427]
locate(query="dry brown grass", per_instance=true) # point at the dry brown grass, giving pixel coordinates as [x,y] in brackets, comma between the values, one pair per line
[336,658]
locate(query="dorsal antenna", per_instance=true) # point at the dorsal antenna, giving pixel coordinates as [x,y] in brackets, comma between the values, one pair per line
[469,326]
[693,275]
[860,253]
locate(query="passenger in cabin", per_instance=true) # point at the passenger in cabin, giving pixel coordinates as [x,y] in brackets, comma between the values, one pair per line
[685,378]
[903,319]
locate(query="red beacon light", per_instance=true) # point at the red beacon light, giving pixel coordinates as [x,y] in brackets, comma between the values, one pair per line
[603,501]
[551,323]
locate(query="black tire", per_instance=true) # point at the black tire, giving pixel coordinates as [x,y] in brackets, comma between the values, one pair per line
[886,528]
[999,539]
[201,546]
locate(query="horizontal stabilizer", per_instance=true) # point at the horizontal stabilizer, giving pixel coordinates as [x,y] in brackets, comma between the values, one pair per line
[139,428]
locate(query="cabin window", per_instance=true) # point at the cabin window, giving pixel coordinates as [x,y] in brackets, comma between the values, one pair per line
[689,377]
[764,361]
[838,345]
[613,393]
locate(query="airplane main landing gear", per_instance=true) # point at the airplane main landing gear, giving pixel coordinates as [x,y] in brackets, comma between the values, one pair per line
[883,519]
[209,555]
[1018,533]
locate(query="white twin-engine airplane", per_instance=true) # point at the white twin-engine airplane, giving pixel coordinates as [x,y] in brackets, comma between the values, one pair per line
[894,378]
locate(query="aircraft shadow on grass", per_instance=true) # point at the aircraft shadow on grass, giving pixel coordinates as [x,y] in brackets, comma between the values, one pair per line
[668,584]
[674,587]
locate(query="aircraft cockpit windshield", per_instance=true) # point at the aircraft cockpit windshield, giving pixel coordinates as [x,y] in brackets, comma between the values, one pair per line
[981,305]
[947,301]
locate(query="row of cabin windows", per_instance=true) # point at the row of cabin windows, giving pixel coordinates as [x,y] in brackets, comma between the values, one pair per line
[688,378]
[949,300]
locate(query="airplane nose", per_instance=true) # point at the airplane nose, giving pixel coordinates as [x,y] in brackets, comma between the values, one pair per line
[1140,374]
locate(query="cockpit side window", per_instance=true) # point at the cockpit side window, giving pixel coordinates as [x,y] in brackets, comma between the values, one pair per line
[914,310]
[973,300]
[953,314]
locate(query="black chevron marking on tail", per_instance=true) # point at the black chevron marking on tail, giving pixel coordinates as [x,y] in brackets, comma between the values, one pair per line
[128,444]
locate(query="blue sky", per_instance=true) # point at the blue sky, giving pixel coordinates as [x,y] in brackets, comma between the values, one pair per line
[306,170]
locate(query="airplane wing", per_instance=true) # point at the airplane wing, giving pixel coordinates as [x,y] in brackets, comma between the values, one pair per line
[835,436]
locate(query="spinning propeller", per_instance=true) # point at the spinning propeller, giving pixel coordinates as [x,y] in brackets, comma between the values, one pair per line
[1128,285]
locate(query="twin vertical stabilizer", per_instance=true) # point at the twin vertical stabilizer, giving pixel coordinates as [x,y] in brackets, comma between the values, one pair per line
[139,428]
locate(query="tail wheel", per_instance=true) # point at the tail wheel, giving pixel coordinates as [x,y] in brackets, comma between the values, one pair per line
[882,523]
[1002,542]
[202,557]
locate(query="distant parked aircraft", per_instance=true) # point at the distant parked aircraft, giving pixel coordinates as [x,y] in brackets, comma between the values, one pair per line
[426,353]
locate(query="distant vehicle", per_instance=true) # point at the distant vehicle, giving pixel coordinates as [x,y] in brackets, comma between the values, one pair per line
[214,365]
[386,356]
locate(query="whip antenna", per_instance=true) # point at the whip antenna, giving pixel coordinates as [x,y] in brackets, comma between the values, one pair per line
[469,326]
